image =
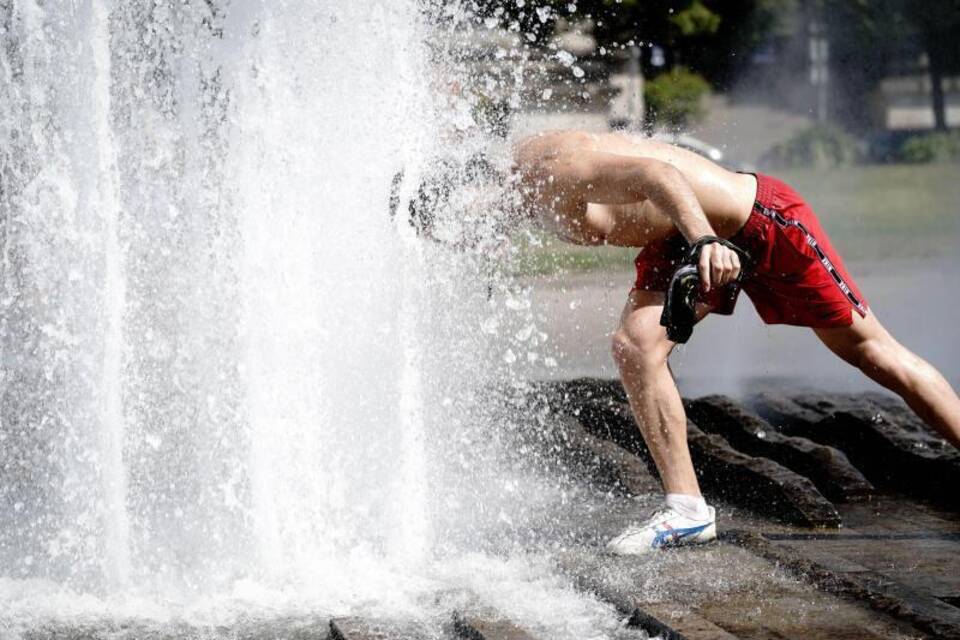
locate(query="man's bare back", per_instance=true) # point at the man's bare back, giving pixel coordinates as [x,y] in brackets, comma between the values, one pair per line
[618,190]
[548,163]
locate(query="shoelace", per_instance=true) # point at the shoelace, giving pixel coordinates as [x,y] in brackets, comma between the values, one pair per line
[661,513]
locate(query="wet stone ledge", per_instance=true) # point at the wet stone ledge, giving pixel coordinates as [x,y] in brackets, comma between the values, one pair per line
[754,482]
[488,626]
[595,458]
[827,467]
[311,627]
[758,483]
[355,628]
[723,591]
[879,435]
[892,570]
[557,440]
[849,580]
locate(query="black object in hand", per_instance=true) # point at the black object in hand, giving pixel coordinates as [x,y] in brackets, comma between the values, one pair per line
[679,309]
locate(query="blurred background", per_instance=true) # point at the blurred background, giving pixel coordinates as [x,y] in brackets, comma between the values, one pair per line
[856,103]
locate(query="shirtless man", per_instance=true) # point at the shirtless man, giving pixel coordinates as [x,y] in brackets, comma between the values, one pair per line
[627,191]
[611,189]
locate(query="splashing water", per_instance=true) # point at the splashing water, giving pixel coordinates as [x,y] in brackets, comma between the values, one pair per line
[230,382]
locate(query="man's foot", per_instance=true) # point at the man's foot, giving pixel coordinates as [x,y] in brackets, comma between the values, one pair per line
[665,528]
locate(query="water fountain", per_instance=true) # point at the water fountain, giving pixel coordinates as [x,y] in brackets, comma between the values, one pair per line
[230,382]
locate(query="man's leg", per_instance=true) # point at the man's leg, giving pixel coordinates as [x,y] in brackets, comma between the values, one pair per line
[868,346]
[641,350]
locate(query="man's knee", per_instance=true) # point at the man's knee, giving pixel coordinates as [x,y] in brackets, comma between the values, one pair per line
[640,349]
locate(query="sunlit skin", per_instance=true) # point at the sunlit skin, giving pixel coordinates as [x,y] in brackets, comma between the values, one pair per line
[612,189]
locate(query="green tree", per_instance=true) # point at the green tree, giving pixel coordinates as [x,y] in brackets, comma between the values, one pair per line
[722,54]
[871,39]
[676,98]
[711,37]
[939,27]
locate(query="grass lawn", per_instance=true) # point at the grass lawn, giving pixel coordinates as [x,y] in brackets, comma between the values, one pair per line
[888,212]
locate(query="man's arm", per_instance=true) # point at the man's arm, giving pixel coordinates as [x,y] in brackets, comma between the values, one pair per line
[607,178]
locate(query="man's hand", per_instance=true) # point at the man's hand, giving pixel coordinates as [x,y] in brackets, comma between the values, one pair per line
[718,265]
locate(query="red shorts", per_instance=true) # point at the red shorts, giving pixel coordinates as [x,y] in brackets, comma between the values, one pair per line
[794,276]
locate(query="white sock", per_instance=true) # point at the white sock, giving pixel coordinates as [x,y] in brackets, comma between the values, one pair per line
[693,507]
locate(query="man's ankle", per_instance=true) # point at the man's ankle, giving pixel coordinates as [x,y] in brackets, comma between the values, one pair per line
[689,506]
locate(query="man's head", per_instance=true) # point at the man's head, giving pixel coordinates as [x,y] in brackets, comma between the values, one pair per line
[458,203]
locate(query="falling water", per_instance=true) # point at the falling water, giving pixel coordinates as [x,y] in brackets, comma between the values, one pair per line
[227,374]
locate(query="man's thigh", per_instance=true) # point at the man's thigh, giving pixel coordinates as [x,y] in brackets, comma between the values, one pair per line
[850,342]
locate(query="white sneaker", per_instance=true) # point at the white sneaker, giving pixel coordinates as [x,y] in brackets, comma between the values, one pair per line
[665,528]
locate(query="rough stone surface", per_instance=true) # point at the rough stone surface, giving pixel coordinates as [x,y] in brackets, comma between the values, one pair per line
[352,628]
[847,579]
[686,623]
[289,628]
[889,416]
[882,439]
[721,591]
[574,392]
[478,627]
[900,559]
[827,467]
[654,626]
[783,413]
[758,483]
[893,574]
[624,469]
[596,460]
[754,482]
[612,420]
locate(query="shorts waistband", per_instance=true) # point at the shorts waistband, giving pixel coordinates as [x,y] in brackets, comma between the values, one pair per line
[766,189]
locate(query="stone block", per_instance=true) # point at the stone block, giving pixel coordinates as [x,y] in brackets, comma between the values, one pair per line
[882,438]
[827,467]
[603,460]
[760,484]
[354,628]
[757,483]
[487,627]
[925,612]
